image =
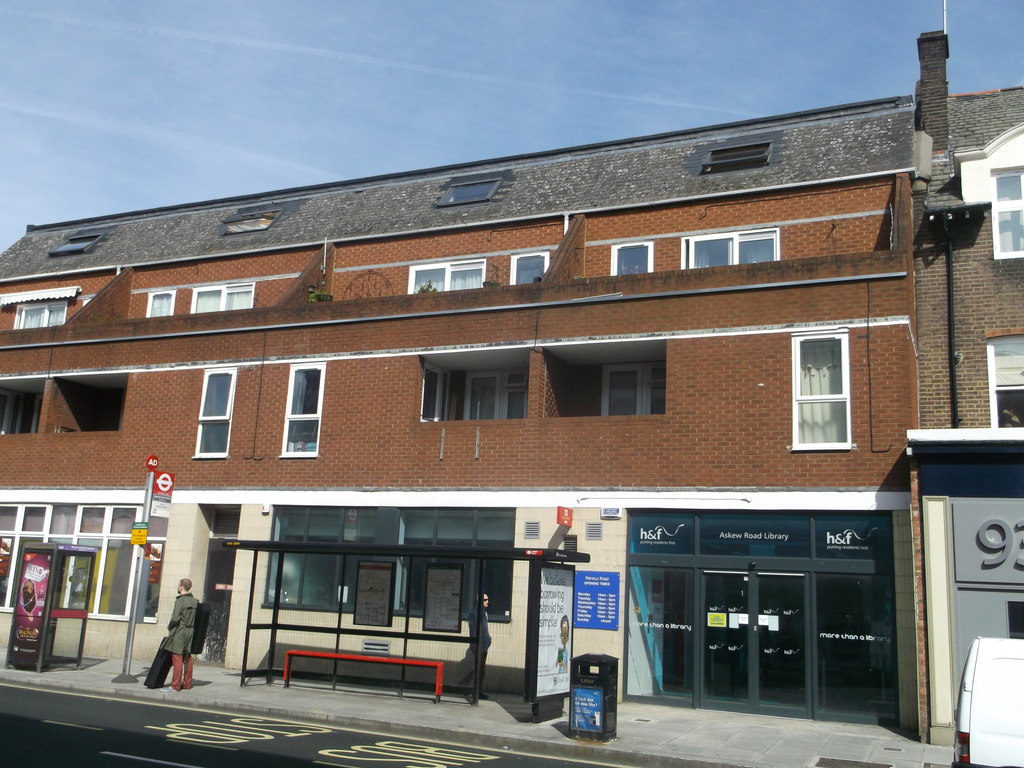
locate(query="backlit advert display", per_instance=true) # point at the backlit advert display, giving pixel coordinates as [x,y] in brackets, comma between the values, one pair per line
[27,623]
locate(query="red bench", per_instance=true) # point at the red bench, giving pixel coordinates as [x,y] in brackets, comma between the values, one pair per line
[437,665]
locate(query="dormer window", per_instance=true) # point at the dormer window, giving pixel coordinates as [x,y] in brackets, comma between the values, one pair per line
[249,222]
[737,158]
[78,243]
[479,191]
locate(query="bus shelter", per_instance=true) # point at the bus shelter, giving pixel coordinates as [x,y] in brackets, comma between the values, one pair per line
[389,595]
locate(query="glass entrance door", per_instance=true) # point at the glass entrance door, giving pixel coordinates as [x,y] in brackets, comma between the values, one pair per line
[755,642]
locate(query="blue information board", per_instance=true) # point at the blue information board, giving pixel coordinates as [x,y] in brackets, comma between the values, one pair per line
[597,600]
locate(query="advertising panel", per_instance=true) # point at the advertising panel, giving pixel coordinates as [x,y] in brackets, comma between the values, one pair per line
[553,625]
[30,602]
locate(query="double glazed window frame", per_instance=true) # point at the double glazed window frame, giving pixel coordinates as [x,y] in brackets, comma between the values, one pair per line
[51,314]
[227,297]
[303,411]
[214,434]
[1008,214]
[732,246]
[627,258]
[1006,381]
[104,526]
[444,276]
[648,396]
[157,300]
[531,258]
[821,394]
[508,393]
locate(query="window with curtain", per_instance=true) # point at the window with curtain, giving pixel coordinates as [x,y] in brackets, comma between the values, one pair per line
[1006,382]
[454,276]
[222,298]
[821,392]
[161,304]
[215,413]
[302,423]
[40,315]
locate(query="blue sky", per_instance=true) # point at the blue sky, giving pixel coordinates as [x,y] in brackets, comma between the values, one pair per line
[120,105]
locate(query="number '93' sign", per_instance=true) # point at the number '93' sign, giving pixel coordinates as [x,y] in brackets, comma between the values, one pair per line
[988,540]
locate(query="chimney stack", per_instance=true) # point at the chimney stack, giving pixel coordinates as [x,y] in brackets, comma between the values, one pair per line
[933,90]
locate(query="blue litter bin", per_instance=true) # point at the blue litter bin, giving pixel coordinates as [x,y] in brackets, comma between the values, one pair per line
[593,697]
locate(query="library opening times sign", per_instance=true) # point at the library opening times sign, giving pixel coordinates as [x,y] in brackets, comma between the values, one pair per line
[597,600]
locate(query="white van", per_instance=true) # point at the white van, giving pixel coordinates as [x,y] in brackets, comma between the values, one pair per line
[989,715]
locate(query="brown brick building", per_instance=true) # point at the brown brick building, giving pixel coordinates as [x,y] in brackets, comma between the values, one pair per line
[701,342]
[968,458]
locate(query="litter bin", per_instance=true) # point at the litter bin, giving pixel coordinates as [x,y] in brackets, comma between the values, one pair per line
[594,688]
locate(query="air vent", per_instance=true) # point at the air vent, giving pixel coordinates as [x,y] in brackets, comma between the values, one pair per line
[225,522]
[595,531]
[570,543]
[376,648]
[531,529]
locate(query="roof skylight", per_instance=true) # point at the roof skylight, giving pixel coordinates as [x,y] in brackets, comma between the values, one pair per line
[78,243]
[470,192]
[737,158]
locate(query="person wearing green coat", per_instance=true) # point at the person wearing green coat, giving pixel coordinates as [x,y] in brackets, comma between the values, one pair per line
[179,640]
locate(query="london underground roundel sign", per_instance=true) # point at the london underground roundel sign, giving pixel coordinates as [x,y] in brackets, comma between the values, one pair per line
[164,482]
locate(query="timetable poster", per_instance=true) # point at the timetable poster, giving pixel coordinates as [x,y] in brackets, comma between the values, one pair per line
[374,588]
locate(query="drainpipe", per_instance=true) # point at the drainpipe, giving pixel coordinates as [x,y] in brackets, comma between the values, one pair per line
[954,398]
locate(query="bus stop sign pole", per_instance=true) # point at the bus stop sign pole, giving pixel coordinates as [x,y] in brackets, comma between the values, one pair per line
[133,615]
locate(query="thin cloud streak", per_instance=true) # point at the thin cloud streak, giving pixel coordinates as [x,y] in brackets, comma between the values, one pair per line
[373,61]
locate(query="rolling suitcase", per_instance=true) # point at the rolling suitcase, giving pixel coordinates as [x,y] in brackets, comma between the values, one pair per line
[157,676]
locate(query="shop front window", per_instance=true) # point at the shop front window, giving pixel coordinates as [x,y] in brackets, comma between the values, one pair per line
[856,647]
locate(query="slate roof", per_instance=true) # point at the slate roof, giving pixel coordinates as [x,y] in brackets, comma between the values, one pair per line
[975,120]
[848,141]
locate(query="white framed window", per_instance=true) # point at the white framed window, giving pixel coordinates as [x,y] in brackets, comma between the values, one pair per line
[633,389]
[453,276]
[527,267]
[633,258]
[435,390]
[40,315]
[821,392]
[1008,214]
[302,418]
[220,298]
[215,413]
[161,304]
[108,528]
[731,248]
[1006,381]
[495,395]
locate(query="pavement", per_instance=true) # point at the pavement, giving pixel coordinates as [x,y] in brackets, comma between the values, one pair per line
[649,735]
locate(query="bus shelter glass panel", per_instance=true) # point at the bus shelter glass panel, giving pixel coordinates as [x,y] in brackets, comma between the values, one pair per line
[660,632]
